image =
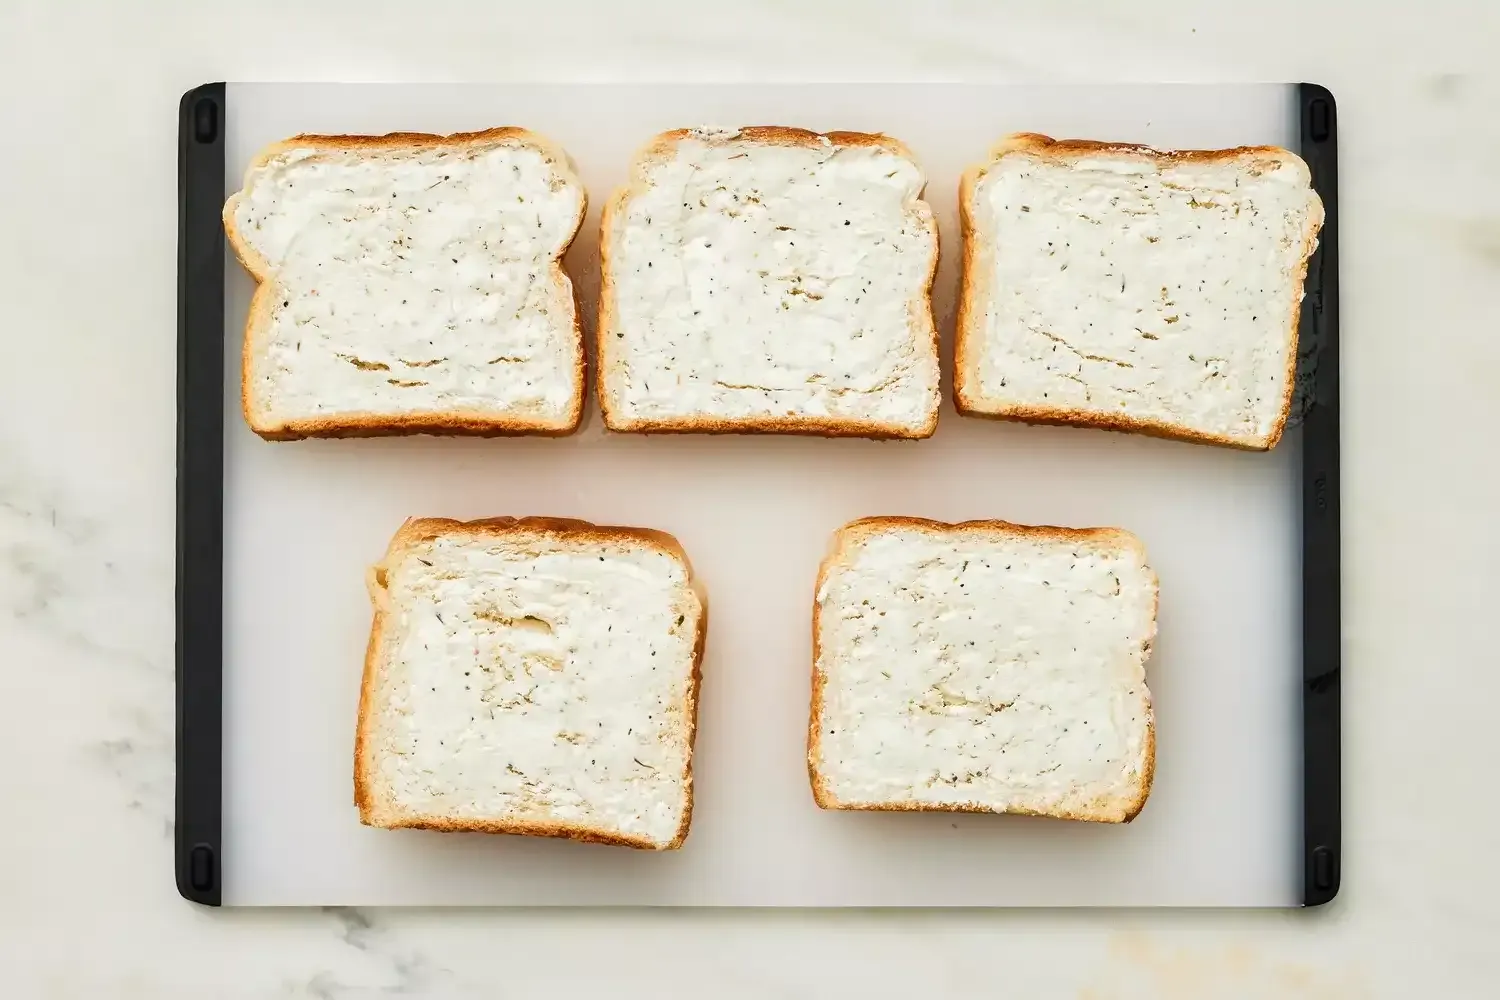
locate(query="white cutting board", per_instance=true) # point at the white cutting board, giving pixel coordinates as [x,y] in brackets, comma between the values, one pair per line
[302,521]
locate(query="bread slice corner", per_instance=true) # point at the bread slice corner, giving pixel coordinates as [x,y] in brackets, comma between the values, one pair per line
[983,666]
[409,284]
[717,313]
[534,676]
[1116,286]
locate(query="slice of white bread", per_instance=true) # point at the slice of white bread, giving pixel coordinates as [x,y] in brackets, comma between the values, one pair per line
[983,667]
[410,284]
[535,676]
[770,279]
[1115,286]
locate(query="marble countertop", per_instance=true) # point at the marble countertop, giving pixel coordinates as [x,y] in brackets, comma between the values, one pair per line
[87,303]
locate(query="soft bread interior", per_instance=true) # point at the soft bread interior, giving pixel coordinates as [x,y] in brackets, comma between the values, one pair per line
[1123,288]
[986,667]
[417,279]
[533,681]
[770,282]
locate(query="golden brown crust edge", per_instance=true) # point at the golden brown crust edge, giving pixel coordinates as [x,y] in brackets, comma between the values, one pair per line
[446,423]
[426,528]
[771,135]
[973,289]
[775,135]
[1111,811]
[1035,142]
[1092,420]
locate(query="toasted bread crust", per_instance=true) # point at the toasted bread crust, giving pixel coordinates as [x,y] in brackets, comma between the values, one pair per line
[373,811]
[1101,811]
[661,147]
[446,423]
[973,295]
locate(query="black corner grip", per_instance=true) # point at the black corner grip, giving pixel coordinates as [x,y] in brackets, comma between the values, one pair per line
[1324,873]
[1320,119]
[201,868]
[205,120]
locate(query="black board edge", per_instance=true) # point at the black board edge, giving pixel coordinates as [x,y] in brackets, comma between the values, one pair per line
[1321,603]
[200,493]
